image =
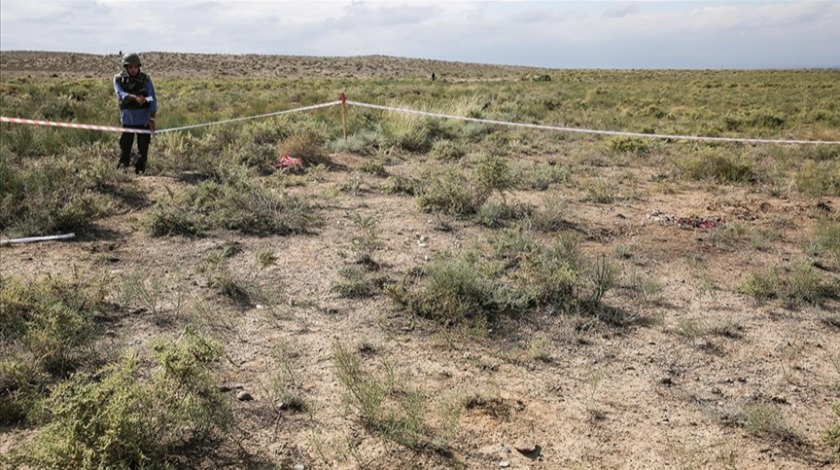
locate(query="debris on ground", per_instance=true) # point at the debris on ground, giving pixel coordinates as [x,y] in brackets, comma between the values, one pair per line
[690,222]
[291,163]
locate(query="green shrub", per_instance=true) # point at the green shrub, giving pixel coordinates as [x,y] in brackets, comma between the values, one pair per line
[48,330]
[240,204]
[832,435]
[819,178]
[450,193]
[53,195]
[413,133]
[358,282]
[766,421]
[825,239]
[306,145]
[402,185]
[462,289]
[492,173]
[386,406]
[539,177]
[448,150]
[600,191]
[552,274]
[796,286]
[118,419]
[498,215]
[719,165]
[633,145]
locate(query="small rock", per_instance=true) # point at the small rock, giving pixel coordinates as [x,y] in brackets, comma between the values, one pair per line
[666,381]
[525,446]
[504,464]
[300,466]
[244,396]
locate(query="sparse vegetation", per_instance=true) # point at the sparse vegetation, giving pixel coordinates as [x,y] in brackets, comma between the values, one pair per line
[793,286]
[526,271]
[385,405]
[239,204]
[832,435]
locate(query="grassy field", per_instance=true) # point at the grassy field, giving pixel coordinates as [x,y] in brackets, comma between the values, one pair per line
[427,292]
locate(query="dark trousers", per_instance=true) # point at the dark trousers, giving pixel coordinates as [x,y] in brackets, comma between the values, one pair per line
[127,141]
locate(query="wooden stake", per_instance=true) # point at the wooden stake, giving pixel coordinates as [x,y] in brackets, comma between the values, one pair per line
[344,115]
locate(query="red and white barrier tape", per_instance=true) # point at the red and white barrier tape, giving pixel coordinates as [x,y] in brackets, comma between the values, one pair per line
[72,125]
[305,108]
[422,113]
[93,127]
[599,132]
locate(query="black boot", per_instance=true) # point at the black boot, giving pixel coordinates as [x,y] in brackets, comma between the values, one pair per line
[125,160]
[140,166]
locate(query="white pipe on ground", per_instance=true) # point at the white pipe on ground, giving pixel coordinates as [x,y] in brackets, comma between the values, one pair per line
[37,239]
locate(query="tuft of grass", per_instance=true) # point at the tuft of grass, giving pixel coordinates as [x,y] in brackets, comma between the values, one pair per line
[718,164]
[766,421]
[385,405]
[832,434]
[819,178]
[632,145]
[285,391]
[402,185]
[359,282]
[599,191]
[826,239]
[795,286]
[498,215]
[365,241]
[540,177]
[266,257]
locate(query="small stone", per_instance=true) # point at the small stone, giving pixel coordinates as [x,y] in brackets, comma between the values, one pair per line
[244,396]
[504,464]
[525,446]
[300,466]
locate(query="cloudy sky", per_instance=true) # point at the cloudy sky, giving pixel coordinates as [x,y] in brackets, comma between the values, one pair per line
[556,34]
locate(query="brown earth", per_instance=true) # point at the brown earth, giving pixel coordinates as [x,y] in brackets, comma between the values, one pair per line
[646,394]
[179,65]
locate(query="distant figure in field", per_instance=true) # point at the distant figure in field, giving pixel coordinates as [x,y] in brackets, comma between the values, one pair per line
[433,76]
[138,107]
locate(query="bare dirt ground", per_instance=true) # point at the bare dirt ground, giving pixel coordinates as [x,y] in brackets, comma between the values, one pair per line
[659,392]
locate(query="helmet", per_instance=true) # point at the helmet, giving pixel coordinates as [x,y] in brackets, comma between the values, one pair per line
[131,59]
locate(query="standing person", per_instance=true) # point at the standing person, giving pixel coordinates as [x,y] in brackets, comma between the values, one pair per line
[138,107]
